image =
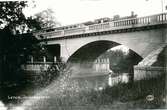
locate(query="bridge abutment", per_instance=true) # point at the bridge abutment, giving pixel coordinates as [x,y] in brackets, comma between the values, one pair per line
[147,72]
[152,65]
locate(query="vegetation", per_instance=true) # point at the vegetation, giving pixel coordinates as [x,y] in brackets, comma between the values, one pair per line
[16,44]
[120,97]
[47,77]
[47,19]
[16,41]
[11,45]
[120,61]
[133,95]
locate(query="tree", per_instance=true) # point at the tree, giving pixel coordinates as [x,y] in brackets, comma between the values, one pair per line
[46,19]
[13,18]
[13,46]
[11,13]
[16,41]
[120,61]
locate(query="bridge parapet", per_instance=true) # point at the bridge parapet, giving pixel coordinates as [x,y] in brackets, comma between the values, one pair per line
[100,27]
[154,19]
[133,22]
[74,31]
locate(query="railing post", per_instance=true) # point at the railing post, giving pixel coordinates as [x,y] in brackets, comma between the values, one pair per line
[32,59]
[110,79]
[44,59]
[55,59]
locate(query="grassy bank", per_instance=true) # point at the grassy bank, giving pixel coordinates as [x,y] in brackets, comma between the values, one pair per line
[120,97]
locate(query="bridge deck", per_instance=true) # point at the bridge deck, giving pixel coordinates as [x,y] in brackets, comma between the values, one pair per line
[127,23]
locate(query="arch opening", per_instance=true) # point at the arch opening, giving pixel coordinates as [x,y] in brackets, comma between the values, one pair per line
[84,59]
[91,51]
[53,52]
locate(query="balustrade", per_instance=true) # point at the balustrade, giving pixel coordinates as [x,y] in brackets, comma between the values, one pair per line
[117,24]
[102,26]
[74,31]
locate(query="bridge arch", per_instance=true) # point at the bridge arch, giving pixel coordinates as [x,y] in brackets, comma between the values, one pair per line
[83,59]
[90,51]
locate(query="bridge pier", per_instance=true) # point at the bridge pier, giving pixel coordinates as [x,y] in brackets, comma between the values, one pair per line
[64,54]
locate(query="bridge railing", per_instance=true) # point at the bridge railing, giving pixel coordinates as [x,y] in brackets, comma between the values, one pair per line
[135,22]
[99,27]
[38,66]
[112,25]
[74,31]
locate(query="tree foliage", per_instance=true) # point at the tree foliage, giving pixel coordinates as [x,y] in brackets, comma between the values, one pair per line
[121,62]
[16,40]
[13,46]
[12,22]
[13,19]
[47,19]
[11,13]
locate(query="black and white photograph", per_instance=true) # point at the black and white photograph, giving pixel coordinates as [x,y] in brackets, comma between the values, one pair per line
[83,55]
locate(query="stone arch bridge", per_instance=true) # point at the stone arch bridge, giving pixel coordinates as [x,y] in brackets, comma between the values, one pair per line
[81,42]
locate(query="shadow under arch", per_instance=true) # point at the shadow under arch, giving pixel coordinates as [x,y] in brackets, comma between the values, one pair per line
[92,50]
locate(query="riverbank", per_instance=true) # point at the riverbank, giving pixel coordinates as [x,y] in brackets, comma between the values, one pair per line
[143,94]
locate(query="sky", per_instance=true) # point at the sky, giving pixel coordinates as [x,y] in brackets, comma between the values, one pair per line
[77,11]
